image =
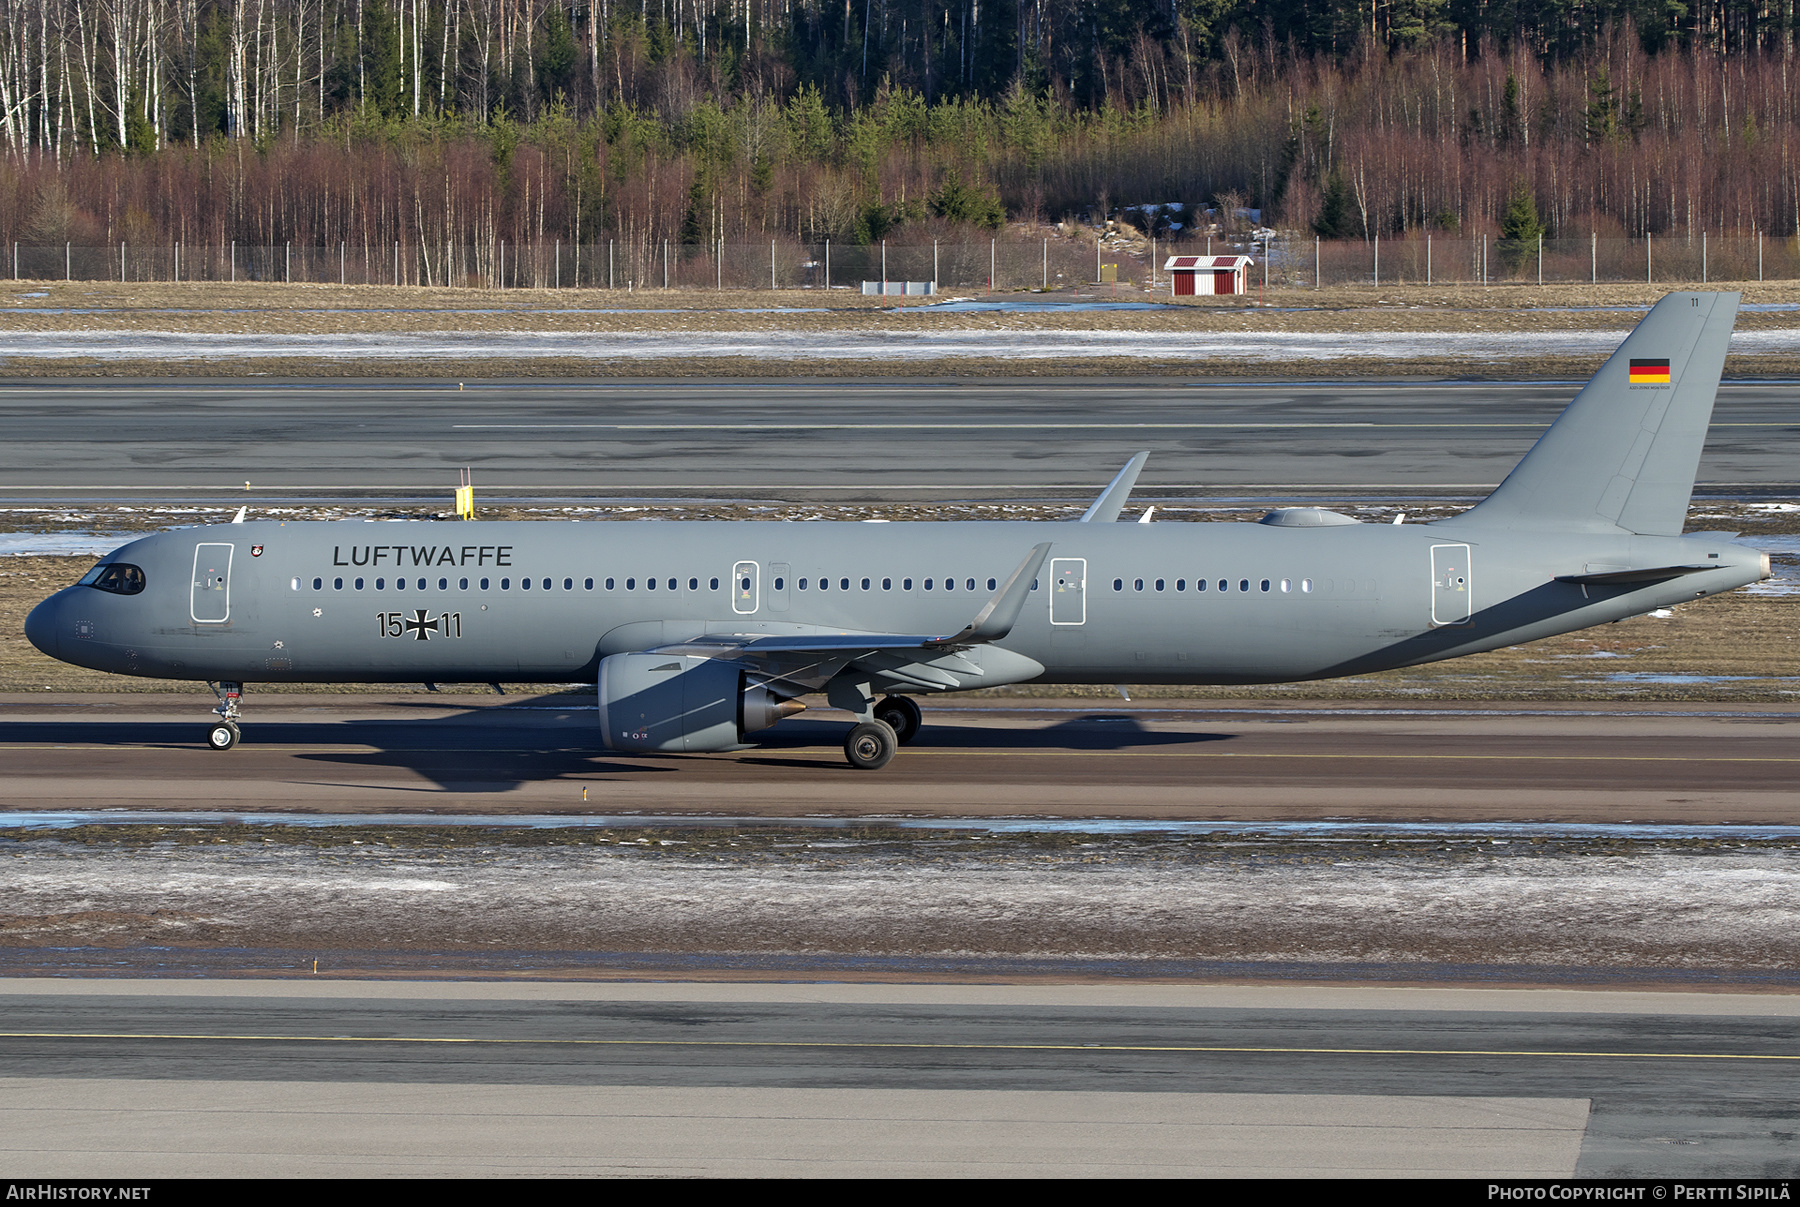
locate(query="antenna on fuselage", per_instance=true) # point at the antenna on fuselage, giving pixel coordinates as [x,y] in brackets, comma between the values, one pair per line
[239,517]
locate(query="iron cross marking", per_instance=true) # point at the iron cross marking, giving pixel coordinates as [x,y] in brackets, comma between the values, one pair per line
[421,626]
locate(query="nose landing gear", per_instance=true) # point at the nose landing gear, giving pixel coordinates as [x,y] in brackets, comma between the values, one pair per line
[224,734]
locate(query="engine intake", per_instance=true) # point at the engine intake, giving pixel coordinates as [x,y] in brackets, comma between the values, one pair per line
[680,704]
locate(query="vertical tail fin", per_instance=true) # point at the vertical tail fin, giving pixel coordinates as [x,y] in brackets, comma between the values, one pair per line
[1623,455]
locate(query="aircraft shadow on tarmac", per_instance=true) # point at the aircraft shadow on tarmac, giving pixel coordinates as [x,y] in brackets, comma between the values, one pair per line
[477,751]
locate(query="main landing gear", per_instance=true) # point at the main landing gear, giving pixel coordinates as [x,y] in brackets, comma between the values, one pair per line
[225,733]
[872,743]
[902,716]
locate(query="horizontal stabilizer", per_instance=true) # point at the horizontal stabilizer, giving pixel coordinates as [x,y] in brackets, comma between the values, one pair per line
[1111,502]
[1648,574]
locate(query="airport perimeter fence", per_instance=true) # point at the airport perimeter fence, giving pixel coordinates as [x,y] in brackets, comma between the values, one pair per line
[972,266]
[625,264]
[1432,260]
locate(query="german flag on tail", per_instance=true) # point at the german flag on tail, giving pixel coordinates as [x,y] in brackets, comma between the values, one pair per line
[1649,372]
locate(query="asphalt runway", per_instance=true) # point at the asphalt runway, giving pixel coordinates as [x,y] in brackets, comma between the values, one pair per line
[877,439]
[167,1079]
[1673,764]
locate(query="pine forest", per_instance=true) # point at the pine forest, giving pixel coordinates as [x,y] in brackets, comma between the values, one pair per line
[324,123]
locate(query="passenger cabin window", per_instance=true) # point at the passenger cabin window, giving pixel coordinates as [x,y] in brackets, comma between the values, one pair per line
[337,584]
[485,582]
[715,584]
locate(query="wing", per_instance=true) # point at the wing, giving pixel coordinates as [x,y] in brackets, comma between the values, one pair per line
[809,658]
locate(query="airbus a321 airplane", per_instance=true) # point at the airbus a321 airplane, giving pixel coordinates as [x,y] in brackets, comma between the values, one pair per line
[701,634]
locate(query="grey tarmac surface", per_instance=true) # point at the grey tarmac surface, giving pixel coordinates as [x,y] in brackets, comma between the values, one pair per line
[1671,764]
[145,1078]
[892,439]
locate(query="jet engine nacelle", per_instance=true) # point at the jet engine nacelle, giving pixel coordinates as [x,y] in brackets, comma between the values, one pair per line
[679,704]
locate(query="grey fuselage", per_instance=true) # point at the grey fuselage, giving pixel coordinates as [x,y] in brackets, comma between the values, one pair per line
[1115,603]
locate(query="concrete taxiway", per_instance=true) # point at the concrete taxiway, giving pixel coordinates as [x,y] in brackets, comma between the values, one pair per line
[1646,763]
[890,439]
[147,1078]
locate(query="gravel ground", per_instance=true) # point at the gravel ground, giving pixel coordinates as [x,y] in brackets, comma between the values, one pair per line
[1569,902]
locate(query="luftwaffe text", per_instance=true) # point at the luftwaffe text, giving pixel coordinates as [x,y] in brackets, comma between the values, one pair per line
[422,555]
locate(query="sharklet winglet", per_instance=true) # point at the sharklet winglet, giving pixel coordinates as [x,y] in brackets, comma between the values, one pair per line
[1112,500]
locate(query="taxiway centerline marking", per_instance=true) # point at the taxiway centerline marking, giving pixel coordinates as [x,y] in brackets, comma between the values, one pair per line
[463,1040]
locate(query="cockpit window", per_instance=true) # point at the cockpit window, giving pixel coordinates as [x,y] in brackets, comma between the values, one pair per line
[116,577]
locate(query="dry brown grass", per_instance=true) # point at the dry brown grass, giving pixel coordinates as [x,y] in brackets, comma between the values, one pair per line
[253,309]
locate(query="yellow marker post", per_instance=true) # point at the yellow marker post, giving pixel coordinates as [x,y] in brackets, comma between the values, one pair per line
[465,497]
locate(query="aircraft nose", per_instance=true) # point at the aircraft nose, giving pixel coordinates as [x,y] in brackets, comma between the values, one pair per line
[41,625]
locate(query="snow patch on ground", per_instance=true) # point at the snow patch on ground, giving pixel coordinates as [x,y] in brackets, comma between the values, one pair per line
[1718,905]
[844,345]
